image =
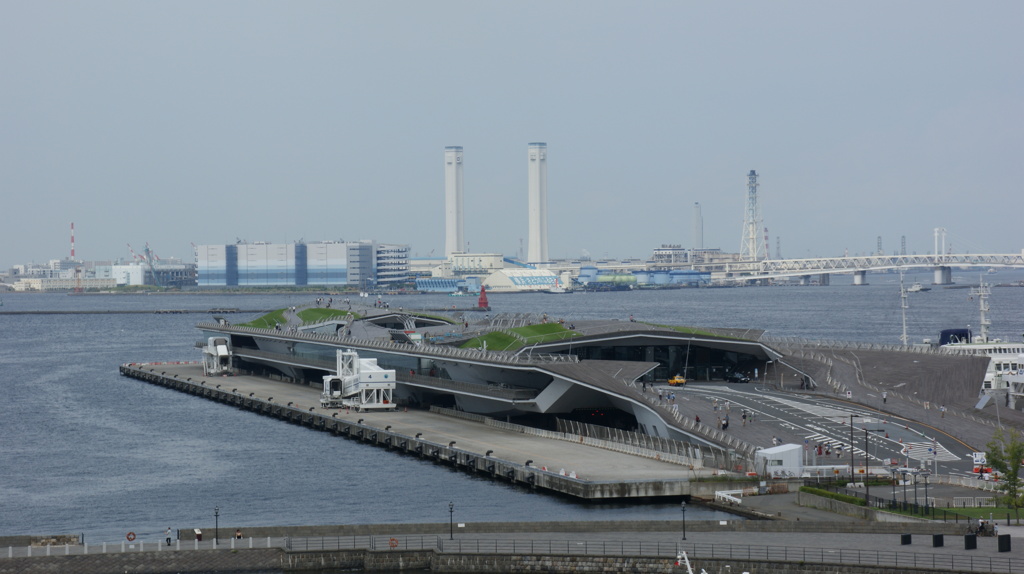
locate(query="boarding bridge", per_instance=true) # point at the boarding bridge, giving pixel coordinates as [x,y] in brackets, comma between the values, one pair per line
[217,356]
[359,384]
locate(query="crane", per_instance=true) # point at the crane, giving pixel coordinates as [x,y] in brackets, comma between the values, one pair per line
[135,256]
[149,257]
[150,254]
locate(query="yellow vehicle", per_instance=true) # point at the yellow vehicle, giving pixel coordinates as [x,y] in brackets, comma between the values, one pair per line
[676,381]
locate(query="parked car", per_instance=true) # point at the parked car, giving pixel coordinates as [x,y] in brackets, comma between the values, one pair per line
[736,377]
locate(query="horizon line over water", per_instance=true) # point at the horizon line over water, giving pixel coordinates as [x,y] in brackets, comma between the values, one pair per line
[88,451]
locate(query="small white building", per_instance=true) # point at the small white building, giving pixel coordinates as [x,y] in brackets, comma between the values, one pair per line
[361,384]
[780,461]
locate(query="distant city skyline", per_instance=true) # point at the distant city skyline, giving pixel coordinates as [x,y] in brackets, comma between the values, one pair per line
[206,123]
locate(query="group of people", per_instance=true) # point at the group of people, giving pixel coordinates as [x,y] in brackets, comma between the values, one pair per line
[825,449]
[984,528]
[169,534]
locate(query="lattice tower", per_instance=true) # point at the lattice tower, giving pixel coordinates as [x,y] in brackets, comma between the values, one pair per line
[751,245]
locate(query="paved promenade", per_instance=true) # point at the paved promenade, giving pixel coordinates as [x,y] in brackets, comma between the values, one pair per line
[589,463]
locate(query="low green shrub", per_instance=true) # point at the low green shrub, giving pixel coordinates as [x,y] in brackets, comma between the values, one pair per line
[833,495]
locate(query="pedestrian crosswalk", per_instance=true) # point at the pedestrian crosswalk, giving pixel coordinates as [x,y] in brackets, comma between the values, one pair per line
[836,447]
[928,451]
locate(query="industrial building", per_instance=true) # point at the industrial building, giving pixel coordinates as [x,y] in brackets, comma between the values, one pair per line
[73,274]
[363,264]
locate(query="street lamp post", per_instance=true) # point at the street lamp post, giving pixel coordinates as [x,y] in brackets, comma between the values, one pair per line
[904,473]
[216,524]
[867,466]
[683,508]
[925,474]
[914,473]
[893,471]
[451,521]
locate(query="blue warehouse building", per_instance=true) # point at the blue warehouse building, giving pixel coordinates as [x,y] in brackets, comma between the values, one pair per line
[365,264]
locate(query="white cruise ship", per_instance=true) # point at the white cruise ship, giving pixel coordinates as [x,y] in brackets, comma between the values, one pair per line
[1005,373]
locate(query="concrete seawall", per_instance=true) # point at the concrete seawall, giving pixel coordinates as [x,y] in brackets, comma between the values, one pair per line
[229,391]
[631,526]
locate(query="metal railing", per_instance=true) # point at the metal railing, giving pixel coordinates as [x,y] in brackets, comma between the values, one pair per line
[921,505]
[957,562]
[499,357]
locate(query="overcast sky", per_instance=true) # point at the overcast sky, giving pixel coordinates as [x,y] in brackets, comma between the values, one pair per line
[206,122]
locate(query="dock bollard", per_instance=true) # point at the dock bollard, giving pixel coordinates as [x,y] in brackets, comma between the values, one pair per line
[1004,543]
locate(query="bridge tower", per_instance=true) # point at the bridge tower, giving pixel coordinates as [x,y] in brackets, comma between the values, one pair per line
[751,247]
[943,274]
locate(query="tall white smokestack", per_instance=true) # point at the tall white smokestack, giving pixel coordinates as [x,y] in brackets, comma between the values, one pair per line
[698,227]
[537,249]
[454,241]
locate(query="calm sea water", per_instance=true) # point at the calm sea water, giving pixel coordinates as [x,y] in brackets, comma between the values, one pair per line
[84,450]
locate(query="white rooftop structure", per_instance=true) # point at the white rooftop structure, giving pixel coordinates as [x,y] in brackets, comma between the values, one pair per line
[520,280]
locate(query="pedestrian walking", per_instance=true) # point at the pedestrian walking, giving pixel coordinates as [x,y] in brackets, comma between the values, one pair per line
[168,535]
[744,418]
[942,410]
[885,395]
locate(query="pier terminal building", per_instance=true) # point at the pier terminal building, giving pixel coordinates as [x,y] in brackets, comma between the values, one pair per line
[603,374]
